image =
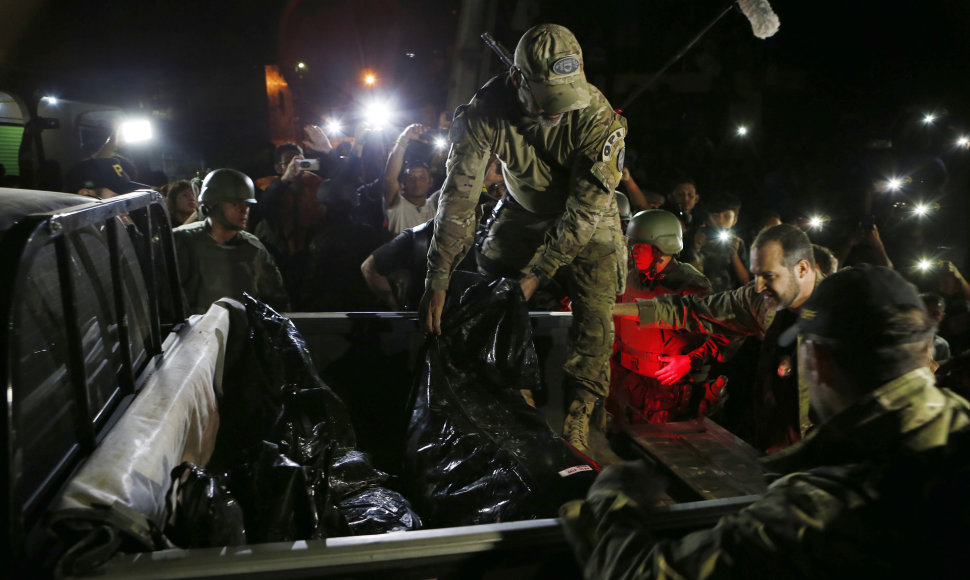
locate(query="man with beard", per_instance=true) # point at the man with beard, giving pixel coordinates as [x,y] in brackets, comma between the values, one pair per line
[561,146]
[216,258]
[783,267]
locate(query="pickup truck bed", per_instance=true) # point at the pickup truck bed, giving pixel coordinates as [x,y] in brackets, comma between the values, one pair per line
[95,336]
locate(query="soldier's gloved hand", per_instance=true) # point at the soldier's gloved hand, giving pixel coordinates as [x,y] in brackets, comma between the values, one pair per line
[429,312]
[293,170]
[676,367]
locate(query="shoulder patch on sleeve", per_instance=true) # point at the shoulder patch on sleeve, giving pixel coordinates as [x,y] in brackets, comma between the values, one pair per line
[608,167]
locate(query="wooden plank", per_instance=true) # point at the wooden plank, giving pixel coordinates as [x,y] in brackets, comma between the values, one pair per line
[704,458]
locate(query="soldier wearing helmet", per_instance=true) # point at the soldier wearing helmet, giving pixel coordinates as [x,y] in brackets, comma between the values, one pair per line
[217,257]
[561,147]
[658,374]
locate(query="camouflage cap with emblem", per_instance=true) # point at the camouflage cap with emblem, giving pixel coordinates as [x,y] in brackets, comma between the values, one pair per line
[551,60]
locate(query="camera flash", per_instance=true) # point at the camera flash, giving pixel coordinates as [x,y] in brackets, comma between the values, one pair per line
[742,131]
[924,265]
[724,235]
[928,118]
[334,127]
[440,143]
[816,222]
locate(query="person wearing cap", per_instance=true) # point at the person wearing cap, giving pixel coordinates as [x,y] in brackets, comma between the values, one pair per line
[217,257]
[561,146]
[101,178]
[406,203]
[657,374]
[877,491]
[775,412]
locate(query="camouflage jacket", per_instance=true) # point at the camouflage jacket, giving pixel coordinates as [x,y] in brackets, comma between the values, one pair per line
[569,171]
[877,491]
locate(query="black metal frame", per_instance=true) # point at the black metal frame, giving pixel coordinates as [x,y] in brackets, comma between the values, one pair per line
[20,246]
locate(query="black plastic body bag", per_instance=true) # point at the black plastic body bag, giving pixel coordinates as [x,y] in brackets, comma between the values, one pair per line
[476,452]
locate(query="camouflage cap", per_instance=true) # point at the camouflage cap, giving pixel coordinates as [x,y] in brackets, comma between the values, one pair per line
[551,60]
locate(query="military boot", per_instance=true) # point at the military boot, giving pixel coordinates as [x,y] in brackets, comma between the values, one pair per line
[575,429]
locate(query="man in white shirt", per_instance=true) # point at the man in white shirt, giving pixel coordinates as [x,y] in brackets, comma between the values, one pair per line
[406,203]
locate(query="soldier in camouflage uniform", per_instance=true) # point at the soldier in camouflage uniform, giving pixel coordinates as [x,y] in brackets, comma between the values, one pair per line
[561,146]
[879,490]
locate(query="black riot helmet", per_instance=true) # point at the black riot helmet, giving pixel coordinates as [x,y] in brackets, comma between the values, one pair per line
[226,185]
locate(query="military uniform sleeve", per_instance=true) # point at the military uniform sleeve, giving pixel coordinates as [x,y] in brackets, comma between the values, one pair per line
[595,173]
[454,224]
[739,312]
[773,538]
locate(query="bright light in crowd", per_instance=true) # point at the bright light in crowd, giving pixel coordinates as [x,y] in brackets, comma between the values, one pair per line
[742,131]
[301,66]
[378,115]
[51,100]
[440,143]
[816,222]
[921,209]
[928,118]
[724,235]
[924,265]
[333,127]
[894,183]
[136,130]
[963,141]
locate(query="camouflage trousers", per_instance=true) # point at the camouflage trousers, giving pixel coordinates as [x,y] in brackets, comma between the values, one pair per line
[514,240]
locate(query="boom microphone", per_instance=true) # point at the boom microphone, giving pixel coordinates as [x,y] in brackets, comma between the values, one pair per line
[764,21]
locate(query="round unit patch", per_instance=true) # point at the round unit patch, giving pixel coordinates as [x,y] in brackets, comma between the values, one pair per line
[566,65]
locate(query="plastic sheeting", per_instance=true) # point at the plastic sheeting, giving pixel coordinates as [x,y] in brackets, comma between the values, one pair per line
[476,452]
[173,419]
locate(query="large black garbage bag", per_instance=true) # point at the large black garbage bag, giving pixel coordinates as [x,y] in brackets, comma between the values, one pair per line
[277,496]
[289,444]
[205,513]
[285,363]
[377,510]
[476,452]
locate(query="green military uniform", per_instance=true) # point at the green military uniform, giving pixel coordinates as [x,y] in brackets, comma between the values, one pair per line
[560,211]
[877,491]
[210,270]
[779,414]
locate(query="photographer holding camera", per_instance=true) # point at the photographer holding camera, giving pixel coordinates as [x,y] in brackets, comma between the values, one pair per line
[291,213]
[406,202]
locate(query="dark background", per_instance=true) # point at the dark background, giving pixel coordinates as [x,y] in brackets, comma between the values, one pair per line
[833,100]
